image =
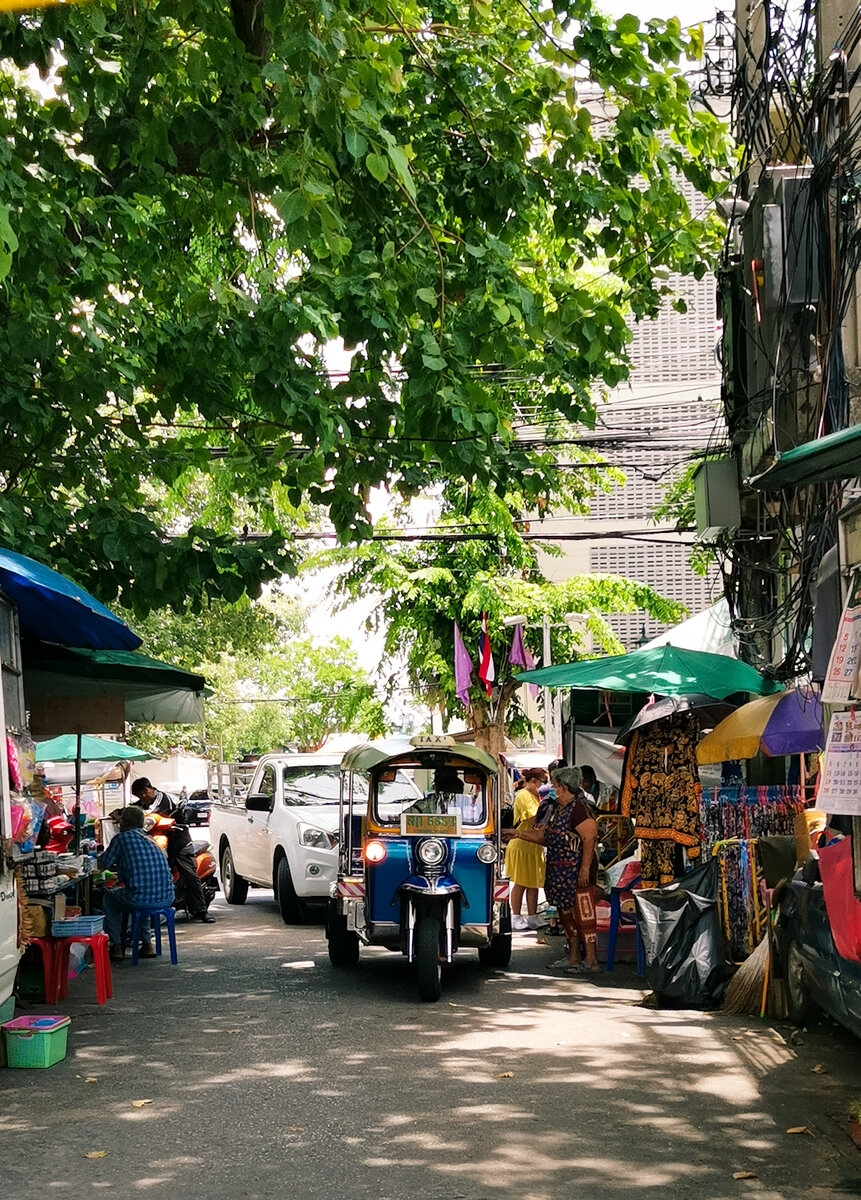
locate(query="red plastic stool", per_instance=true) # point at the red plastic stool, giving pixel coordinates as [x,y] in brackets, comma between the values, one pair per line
[98,943]
[48,949]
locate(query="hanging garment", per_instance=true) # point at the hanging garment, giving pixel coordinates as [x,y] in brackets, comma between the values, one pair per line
[661,792]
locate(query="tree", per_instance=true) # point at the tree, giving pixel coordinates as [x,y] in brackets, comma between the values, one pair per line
[423,590]
[197,197]
[271,687]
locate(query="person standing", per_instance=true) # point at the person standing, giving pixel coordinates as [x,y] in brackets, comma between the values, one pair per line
[145,878]
[571,872]
[524,862]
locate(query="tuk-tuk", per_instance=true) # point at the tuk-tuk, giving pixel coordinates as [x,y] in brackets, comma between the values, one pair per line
[419,870]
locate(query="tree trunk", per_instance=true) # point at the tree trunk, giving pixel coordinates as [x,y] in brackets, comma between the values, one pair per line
[490,733]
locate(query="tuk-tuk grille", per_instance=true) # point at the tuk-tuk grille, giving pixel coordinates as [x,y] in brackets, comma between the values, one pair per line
[435,872]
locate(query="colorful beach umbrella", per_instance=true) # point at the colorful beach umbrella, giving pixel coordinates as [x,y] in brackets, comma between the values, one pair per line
[788,723]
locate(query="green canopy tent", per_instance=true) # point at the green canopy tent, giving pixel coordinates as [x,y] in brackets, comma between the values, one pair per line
[78,748]
[153,691]
[662,670]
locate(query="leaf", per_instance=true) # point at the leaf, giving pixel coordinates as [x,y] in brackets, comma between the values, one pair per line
[800,1129]
[819,1069]
[91,1079]
[745,1175]
[355,142]
[506,1075]
[400,162]
[428,295]
[140,1103]
[291,206]
[95,1154]
[433,363]
[110,66]
[378,166]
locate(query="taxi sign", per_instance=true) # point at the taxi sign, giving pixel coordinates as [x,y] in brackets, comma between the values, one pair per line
[431,740]
[431,824]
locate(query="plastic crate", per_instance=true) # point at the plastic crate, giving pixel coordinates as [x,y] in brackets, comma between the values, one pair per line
[78,926]
[36,1041]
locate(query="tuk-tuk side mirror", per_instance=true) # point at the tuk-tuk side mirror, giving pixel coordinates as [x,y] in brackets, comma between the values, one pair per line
[259,803]
[387,776]
[473,778]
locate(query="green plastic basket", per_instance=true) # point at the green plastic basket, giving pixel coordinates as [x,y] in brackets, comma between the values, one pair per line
[36,1048]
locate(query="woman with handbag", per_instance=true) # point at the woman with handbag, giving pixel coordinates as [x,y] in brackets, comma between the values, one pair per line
[524,862]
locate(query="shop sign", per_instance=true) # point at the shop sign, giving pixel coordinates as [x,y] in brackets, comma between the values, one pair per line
[52,715]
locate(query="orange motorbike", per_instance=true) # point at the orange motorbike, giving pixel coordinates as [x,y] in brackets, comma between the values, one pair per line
[164,832]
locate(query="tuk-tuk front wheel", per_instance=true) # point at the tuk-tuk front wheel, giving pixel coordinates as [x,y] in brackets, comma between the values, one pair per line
[498,953]
[428,966]
[343,942]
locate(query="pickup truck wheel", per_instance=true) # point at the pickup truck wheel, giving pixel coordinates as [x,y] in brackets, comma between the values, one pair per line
[343,942]
[235,887]
[428,967]
[498,953]
[292,909]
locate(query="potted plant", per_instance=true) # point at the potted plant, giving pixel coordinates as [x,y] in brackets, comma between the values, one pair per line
[855,1122]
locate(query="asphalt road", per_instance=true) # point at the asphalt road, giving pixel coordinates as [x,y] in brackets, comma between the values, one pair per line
[269,1074]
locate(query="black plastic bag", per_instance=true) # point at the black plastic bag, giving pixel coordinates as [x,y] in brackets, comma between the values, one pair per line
[680,928]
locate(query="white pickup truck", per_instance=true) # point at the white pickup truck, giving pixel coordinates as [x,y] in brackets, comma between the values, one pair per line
[281,832]
[280,829]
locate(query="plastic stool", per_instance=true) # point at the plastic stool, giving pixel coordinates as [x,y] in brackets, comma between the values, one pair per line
[617,918]
[48,949]
[98,943]
[156,914]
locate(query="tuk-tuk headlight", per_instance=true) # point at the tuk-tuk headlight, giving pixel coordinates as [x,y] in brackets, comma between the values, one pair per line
[431,852]
[486,852]
[374,852]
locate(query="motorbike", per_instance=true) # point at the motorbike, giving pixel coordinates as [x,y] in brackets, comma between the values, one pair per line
[163,830]
[419,872]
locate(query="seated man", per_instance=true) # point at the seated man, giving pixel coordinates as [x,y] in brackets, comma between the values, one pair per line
[447,795]
[145,877]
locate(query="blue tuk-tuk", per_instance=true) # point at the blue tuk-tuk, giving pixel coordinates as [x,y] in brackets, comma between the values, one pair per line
[419,869]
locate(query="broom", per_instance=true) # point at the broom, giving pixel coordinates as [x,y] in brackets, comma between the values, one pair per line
[746,988]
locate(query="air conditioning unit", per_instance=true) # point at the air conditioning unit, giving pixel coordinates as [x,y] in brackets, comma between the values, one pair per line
[716,499]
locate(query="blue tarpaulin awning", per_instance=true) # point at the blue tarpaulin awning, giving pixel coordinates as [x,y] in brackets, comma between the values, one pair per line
[54,609]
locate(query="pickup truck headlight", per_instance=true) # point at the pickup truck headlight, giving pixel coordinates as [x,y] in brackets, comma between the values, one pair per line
[318,838]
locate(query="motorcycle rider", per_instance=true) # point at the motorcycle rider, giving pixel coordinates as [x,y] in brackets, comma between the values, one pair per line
[180,854]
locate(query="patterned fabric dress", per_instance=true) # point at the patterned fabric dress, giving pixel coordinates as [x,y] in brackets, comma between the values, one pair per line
[661,792]
[564,853]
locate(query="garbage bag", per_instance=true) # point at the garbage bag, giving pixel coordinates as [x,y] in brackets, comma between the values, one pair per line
[681,933]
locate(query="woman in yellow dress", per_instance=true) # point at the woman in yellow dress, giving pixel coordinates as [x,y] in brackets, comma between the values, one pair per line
[524,861]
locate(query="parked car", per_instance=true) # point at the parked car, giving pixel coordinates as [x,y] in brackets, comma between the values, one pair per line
[196,809]
[283,834]
[815,973]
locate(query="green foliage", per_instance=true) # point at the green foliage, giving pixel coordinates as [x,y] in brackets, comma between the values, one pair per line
[201,196]
[424,589]
[677,505]
[272,688]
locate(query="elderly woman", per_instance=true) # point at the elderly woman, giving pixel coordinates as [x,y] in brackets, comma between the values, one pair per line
[571,871]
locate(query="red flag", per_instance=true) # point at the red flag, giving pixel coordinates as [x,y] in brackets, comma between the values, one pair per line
[486,669]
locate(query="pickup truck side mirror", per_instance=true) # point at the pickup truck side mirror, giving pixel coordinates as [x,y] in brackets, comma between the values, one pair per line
[259,803]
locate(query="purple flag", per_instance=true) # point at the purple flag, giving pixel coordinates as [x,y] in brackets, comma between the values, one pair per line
[521,656]
[462,668]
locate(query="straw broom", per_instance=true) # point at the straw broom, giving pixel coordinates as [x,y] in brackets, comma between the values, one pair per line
[755,988]
[747,986]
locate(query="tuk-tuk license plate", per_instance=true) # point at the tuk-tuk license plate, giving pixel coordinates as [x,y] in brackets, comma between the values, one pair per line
[430,824]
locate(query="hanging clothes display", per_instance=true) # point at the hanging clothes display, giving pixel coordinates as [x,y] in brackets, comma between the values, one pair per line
[749,812]
[661,794]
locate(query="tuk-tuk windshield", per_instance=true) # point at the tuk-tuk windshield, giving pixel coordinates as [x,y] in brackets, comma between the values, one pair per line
[440,792]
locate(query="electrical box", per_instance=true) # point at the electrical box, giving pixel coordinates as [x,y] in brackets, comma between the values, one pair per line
[716,499]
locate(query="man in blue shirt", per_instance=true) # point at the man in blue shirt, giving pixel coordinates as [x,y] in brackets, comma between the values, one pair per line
[143,871]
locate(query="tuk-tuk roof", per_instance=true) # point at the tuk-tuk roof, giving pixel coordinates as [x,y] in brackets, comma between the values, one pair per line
[371,754]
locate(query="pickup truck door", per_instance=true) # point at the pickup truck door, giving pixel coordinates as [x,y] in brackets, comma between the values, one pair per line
[259,839]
